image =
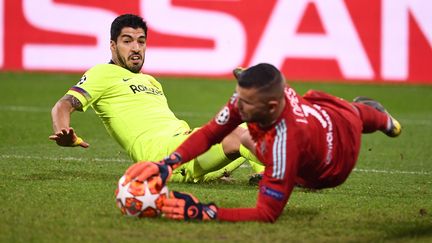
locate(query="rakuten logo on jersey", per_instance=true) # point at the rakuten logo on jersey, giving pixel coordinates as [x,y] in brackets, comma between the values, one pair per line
[142,88]
[306,39]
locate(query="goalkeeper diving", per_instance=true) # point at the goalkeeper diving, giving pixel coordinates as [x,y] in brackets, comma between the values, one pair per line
[312,141]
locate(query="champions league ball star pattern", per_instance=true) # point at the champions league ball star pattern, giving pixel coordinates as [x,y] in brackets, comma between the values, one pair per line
[141,199]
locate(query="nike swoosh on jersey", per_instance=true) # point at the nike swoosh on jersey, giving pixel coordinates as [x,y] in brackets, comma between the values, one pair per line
[126,79]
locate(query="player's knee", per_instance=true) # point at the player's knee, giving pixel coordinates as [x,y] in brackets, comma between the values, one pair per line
[231,143]
[246,140]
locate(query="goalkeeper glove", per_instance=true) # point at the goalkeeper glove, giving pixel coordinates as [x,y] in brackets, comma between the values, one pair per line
[141,171]
[184,206]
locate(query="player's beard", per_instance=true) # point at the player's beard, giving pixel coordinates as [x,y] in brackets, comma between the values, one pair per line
[133,68]
[261,117]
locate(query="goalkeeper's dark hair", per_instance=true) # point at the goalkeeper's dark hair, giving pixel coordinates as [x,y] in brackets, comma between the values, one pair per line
[127,20]
[264,77]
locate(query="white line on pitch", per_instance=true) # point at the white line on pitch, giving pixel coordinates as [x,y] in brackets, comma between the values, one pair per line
[24,108]
[37,109]
[69,158]
[393,171]
[12,156]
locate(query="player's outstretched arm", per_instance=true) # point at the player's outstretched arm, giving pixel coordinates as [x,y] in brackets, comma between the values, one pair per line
[64,135]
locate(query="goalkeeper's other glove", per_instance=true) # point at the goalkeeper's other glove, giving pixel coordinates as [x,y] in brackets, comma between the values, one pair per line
[184,206]
[141,171]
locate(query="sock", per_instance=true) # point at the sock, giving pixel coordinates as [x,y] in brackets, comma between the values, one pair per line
[227,170]
[184,173]
[212,160]
[256,165]
[373,119]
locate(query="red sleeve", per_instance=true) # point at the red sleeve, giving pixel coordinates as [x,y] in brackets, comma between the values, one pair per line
[270,204]
[213,132]
[276,186]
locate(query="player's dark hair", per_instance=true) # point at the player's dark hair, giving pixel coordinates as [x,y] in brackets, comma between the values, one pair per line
[262,76]
[127,20]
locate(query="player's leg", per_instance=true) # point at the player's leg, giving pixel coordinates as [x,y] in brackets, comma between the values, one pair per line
[217,157]
[220,155]
[211,165]
[224,171]
[247,150]
[225,155]
[240,142]
[248,147]
[375,117]
[231,145]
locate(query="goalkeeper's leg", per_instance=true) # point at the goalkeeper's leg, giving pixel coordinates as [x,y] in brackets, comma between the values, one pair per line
[375,117]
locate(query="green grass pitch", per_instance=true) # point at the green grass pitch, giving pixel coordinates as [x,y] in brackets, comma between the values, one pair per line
[54,194]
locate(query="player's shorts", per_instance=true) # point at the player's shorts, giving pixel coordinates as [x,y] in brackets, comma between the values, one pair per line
[157,148]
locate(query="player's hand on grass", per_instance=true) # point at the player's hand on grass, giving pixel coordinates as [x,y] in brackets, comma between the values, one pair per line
[68,138]
[184,206]
[141,171]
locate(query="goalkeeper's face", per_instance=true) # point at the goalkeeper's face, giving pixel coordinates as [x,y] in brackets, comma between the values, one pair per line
[262,106]
[251,105]
[129,49]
